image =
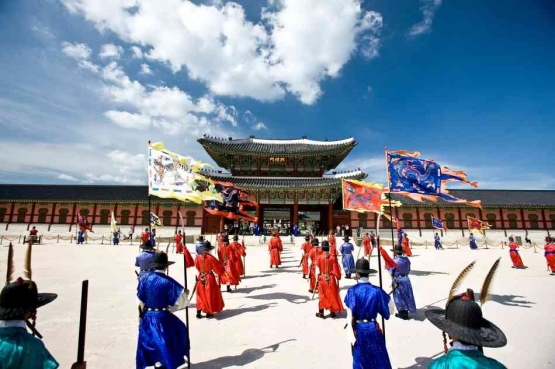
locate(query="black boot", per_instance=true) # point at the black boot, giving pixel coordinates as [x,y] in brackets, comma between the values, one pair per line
[320,314]
[332,314]
[199,315]
[228,288]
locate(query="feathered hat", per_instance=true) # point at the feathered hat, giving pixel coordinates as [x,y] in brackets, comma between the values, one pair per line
[462,317]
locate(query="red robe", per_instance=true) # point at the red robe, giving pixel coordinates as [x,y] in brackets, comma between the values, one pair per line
[209,296]
[406,247]
[145,236]
[228,257]
[178,245]
[515,257]
[328,289]
[550,256]
[366,242]
[241,251]
[313,255]
[331,239]
[306,247]
[275,247]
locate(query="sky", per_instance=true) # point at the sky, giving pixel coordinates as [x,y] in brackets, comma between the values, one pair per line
[84,84]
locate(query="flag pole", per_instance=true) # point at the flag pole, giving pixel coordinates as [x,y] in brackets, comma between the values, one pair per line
[186,288]
[149,184]
[82,322]
[379,268]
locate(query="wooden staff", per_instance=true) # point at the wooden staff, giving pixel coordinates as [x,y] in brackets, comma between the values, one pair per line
[83,322]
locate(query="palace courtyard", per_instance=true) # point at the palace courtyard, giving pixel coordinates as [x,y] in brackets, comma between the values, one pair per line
[269,321]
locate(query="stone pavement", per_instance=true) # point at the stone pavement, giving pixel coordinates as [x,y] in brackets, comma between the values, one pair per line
[269,321]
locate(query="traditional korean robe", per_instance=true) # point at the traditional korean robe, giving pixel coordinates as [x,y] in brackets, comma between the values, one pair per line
[145,260]
[198,247]
[549,253]
[21,350]
[240,250]
[275,247]
[115,238]
[465,359]
[402,288]
[209,296]
[313,256]
[328,288]
[366,243]
[81,236]
[406,246]
[437,242]
[348,260]
[178,243]
[228,257]
[472,241]
[515,256]
[365,302]
[162,336]
[145,236]
[306,247]
[153,238]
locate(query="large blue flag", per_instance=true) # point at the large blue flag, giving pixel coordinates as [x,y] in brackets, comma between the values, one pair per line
[438,224]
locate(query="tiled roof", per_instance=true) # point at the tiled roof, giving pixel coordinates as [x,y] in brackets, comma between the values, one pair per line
[220,148]
[121,193]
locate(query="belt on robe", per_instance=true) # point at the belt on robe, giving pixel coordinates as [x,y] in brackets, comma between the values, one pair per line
[157,309]
[366,320]
[401,275]
[550,253]
[514,251]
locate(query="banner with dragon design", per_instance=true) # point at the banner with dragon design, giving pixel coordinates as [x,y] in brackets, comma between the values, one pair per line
[232,203]
[477,225]
[174,176]
[421,179]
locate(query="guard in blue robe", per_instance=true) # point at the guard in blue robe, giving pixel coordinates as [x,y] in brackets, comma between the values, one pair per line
[163,337]
[472,240]
[296,230]
[400,235]
[116,238]
[153,237]
[256,230]
[402,288]
[437,242]
[199,245]
[80,237]
[348,261]
[365,301]
[145,260]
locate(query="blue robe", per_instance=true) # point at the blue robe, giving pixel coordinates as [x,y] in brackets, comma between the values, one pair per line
[348,261]
[198,247]
[437,242]
[465,359]
[296,230]
[256,230]
[402,292]
[145,260]
[153,238]
[116,238]
[400,236]
[20,350]
[365,302]
[472,240]
[162,336]
[80,237]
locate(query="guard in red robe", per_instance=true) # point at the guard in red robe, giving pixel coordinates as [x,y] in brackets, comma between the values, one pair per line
[241,251]
[331,240]
[366,243]
[328,288]
[228,257]
[313,255]
[275,248]
[406,247]
[306,247]
[549,250]
[209,296]
[178,238]
[515,256]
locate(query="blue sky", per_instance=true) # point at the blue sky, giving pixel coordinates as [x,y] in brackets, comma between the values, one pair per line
[85,83]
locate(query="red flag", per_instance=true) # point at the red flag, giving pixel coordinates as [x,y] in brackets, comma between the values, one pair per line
[362,196]
[389,262]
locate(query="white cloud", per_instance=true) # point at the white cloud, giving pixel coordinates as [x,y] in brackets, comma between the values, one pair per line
[296,45]
[76,51]
[43,31]
[110,51]
[145,69]
[137,52]
[428,9]
[369,89]
[67,177]
[259,126]
[373,166]
[108,178]
[127,162]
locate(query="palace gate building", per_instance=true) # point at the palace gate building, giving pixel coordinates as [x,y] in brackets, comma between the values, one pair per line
[293,181]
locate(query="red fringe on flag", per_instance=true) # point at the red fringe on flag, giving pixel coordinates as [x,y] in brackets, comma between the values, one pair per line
[389,262]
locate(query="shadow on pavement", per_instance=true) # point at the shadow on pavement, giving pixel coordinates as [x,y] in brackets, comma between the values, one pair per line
[422,362]
[289,297]
[424,273]
[234,312]
[256,276]
[246,357]
[251,289]
[510,300]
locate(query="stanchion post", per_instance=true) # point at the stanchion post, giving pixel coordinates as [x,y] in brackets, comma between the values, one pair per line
[19,241]
[534,244]
[486,242]
[58,239]
[102,241]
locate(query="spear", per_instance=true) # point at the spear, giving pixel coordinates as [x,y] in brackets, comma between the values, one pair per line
[186,287]
[83,322]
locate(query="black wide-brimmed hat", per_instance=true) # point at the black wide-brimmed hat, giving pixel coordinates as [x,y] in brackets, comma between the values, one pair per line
[20,297]
[346,239]
[147,245]
[161,260]
[236,238]
[200,238]
[307,238]
[325,246]
[463,320]
[207,246]
[225,239]
[315,242]
[363,266]
[399,250]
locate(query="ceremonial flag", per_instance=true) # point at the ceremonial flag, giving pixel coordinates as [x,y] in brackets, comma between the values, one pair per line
[232,202]
[362,196]
[154,220]
[389,262]
[174,176]
[181,219]
[477,225]
[421,179]
[113,225]
[82,222]
[438,224]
